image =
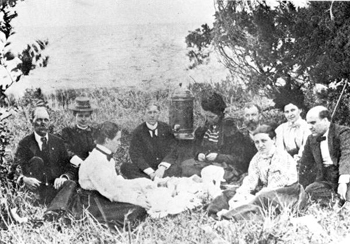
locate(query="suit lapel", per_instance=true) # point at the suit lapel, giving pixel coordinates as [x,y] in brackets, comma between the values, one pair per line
[316,151]
[332,145]
[34,147]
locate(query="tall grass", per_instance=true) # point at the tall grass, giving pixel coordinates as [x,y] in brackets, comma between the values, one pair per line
[125,107]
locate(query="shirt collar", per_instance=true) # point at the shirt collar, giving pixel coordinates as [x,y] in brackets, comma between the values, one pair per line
[81,128]
[103,148]
[270,154]
[152,127]
[38,138]
[326,134]
[297,123]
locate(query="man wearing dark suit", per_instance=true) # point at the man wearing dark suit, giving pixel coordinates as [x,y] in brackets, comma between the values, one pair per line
[152,149]
[324,168]
[43,159]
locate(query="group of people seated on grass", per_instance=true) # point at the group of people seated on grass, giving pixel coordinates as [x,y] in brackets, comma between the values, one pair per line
[76,171]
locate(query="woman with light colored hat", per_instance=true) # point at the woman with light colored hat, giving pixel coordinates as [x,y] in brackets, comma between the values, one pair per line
[79,137]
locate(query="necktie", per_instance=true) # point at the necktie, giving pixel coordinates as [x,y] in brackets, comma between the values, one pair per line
[153,132]
[321,138]
[108,155]
[44,146]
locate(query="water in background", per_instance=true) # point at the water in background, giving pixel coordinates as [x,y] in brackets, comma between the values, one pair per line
[150,56]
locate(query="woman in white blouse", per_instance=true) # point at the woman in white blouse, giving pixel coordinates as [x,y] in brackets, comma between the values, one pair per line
[271,167]
[268,170]
[292,135]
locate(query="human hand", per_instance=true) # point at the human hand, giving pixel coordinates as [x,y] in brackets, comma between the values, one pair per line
[31,182]
[59,182]
[201,157]
[342,189]
[211,156]
[159,172]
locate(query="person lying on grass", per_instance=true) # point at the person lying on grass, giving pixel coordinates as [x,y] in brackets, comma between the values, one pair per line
[159,198]
[270,167]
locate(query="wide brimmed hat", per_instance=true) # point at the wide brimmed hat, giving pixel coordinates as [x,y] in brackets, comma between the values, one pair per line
[82,104]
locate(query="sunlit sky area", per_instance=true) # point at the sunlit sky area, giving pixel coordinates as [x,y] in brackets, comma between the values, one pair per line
[112,12]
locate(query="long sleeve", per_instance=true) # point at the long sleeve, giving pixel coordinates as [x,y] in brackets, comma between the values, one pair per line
[97,173]
[279,137]
[344,161]
[251,181]
[22,156]
[137,150]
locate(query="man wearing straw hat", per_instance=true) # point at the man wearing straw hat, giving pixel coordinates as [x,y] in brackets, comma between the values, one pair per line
[43,159]
[78,138]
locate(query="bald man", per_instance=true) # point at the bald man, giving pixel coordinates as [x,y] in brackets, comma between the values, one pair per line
[324,168]
[43,159]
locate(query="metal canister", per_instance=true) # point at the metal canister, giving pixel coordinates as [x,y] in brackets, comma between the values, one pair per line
[181,114]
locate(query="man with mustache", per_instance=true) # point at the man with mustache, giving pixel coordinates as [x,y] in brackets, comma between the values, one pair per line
[251,119]
[43,159]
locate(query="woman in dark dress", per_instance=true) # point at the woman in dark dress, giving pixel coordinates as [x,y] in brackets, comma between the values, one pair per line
[78,139]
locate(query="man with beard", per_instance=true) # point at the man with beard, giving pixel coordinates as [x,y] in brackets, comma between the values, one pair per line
[43,159]
[252,116]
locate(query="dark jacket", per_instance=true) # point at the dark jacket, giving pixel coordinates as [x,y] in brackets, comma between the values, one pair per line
[56,162]
[231,146]
[78,142]
[146,151]
[311,166]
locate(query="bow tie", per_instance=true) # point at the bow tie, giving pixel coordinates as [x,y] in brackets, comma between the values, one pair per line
[294,126]
[321,138]
[108,155]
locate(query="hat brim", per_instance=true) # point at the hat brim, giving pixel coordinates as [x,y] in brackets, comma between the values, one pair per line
[75,109]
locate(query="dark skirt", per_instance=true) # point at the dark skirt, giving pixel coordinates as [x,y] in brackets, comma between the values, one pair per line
[78,202]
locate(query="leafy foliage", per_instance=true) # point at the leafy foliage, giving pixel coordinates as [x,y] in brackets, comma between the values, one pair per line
[268,47]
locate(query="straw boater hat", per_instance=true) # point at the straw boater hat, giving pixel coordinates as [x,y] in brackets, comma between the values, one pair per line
[82,104]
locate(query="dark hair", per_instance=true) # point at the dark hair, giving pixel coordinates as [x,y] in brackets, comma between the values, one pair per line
[250,105]
[105,130]
[213,102]
[325,114]
[285,96]
[267,129]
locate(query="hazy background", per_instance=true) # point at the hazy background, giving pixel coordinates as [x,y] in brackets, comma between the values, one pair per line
[113,42]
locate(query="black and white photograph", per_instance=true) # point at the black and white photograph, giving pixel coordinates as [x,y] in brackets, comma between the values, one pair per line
[174,121]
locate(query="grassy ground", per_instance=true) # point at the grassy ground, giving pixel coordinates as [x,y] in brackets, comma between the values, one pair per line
[125,108]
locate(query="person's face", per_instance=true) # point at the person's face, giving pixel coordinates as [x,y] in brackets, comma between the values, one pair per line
[251,117]
[292,112]
[210,117]
[83,119]
[41,121]
[317,125]
[152,115]
[114,144]
[263,143]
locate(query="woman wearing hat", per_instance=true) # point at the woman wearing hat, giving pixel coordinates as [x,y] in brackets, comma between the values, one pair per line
[79,138]
[217,142]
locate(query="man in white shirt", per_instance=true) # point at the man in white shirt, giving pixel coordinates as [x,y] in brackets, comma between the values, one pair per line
[324,168]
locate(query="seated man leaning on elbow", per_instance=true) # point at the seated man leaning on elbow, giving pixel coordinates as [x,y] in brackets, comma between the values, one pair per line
[152,149]
[43,159]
